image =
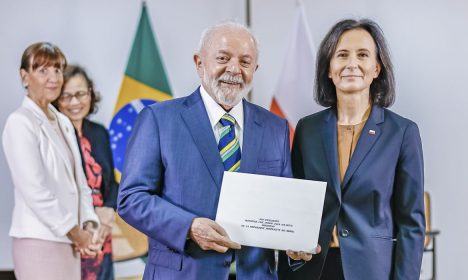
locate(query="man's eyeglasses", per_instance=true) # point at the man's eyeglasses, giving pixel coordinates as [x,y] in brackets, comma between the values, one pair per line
[80,95]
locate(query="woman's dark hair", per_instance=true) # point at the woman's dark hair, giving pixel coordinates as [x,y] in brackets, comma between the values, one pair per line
[42,54]
[75,70]
[382,89]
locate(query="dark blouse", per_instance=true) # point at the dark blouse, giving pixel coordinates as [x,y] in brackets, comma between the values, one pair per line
[101,151]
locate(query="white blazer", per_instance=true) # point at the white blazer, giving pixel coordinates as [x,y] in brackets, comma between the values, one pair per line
[51,195]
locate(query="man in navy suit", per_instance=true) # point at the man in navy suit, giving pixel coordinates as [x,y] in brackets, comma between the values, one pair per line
[174,165]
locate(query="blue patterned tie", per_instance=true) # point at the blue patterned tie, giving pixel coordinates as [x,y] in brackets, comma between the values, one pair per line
[228,146]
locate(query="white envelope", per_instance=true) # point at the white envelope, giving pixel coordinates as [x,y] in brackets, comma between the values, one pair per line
[271,212]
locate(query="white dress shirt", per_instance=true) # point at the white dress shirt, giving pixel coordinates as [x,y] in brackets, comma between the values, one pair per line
[216,112]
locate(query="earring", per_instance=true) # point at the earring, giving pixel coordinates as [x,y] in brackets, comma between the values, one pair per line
[25,85]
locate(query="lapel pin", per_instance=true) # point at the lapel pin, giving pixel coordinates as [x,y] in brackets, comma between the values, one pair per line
[371,132]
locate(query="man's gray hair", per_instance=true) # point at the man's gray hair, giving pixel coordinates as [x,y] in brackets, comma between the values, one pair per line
[205,38]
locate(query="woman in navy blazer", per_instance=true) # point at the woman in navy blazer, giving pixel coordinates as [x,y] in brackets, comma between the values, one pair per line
[77,101]
[373,217]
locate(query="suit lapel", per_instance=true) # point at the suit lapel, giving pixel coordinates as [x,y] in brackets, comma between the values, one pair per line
[329,140]
[369,135]
[198,124]
[252,137]
[71,140]
[49,131]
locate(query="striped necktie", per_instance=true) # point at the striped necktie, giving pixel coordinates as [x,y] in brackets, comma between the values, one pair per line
[228,145]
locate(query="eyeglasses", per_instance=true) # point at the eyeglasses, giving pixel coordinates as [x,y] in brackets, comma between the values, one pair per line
[80,95]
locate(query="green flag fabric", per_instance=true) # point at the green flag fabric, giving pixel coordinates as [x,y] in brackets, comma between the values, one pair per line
[145,82]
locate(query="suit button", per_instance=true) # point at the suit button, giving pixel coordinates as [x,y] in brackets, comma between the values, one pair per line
[344,233]
[227,263]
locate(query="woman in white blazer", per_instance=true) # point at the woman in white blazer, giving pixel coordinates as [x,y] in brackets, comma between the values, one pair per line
[53,215]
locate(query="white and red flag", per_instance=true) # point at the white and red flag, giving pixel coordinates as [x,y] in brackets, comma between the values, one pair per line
[293,97]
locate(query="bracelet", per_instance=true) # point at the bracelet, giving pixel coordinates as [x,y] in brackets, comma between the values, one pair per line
[93,224]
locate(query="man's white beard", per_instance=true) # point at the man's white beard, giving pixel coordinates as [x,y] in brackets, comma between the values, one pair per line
[226,96]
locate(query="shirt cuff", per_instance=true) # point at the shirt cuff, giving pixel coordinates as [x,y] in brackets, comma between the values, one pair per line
[295,265]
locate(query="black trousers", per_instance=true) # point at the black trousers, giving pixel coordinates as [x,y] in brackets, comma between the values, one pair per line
[333,268]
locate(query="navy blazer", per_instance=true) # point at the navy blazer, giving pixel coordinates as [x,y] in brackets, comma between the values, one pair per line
[378,208]
[102,154]
[173,173]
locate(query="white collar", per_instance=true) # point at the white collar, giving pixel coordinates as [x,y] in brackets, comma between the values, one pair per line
[215,111]
[32,106]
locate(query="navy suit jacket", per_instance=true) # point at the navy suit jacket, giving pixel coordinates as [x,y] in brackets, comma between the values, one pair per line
[379,206]
[173,173]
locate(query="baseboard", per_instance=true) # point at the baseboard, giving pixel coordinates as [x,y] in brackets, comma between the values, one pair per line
[7,275]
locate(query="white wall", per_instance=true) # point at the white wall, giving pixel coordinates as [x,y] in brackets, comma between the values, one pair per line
[427,39]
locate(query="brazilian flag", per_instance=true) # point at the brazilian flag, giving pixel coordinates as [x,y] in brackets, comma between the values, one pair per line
[144,83]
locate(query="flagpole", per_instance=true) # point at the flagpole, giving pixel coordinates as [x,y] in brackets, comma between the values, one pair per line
[247,13]
[248,23]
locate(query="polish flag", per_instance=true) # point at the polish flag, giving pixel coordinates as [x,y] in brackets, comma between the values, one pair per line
[293,98]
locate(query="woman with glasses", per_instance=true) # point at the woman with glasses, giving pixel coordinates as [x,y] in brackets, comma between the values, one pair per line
[77,101]
[53,217]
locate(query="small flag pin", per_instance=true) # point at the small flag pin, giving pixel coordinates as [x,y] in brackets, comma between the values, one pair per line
[371,132]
